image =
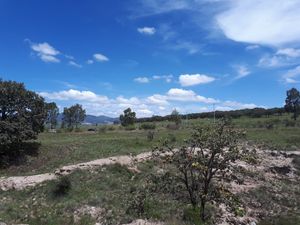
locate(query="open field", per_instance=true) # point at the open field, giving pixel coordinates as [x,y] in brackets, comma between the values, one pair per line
[111,191]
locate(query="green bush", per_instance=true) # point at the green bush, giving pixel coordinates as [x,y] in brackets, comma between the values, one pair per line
[171,126]
[130,127]
[111,128]
[150,135]
[62,186]
[148,126]
[102,129]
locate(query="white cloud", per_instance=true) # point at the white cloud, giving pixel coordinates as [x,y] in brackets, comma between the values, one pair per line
[194,79]
[142,80]
[49,58]
[290,52]
[265,22]
[147,30]
[158,100]
[275,61]
[100,57]
[178,94]
[72,63]
[291,75]
[242,71]
[186,101]
[45,51]
[75,95]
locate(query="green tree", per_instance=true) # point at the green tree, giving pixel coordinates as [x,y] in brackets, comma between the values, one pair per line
[128,118]
[22,115]
[175,117]
[52,114]
[208,153]
[73,116]
[292,102]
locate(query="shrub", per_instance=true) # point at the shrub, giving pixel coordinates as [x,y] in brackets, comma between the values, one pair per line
[111,128]
[130,127]
[289,123]
[269,125]
[150,135]
[171,138]
[102,129]
[148,126]
[210,151]
[171,126]
[62,186]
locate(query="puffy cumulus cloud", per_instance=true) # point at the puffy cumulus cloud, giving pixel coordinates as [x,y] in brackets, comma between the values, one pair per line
[291,75]
[142,79]
[45,51]
[194,79]
[178,94]
[274,61]
[266,22]
[75,95]
[100,58]
[157,99]
[186,101]
[128,101]
[147,30]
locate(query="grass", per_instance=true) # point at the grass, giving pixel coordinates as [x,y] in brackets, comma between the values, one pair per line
[112,188]
[61,149]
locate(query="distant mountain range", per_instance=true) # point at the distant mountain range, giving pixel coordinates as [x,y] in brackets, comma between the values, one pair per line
[90,119]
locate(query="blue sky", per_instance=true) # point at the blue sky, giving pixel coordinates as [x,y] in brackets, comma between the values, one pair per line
[153,55]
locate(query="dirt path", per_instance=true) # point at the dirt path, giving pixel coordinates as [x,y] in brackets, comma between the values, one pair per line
[21,182]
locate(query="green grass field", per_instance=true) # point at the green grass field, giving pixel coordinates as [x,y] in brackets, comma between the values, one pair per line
[112,187]
[64,148]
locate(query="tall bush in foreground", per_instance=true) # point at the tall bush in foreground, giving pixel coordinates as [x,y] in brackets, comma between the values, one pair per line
[292,102]
[22,116]
[209,152]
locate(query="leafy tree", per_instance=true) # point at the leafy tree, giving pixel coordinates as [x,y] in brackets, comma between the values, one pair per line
[128,118]
[175,116]
[292,102]
[22,115]
[208,153]
[73,116]
[52,114]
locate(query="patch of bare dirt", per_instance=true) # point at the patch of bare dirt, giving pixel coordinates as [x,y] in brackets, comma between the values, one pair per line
[143,222]
[96,213]
[21,182]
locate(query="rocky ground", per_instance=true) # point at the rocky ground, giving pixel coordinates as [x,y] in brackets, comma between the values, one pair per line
[267,184]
